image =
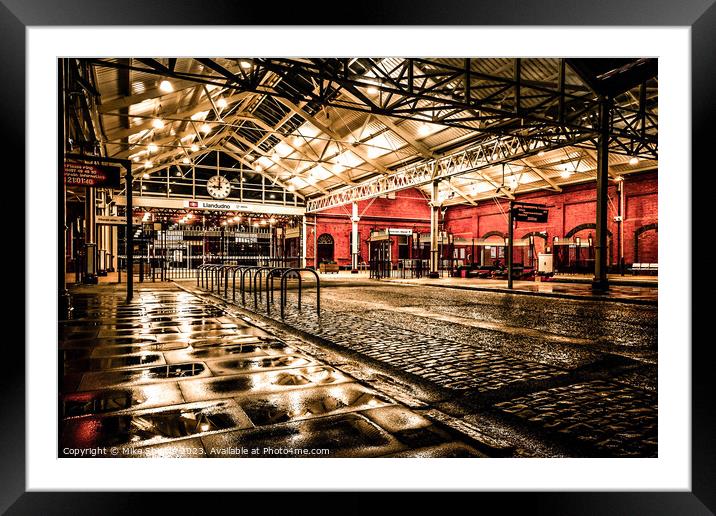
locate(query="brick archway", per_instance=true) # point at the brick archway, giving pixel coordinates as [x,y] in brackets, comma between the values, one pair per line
[637,234]
[577,229]
[494,233]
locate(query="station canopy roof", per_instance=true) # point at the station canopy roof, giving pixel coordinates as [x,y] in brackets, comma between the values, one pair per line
[318,127]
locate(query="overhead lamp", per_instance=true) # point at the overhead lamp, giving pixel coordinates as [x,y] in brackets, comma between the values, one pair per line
[145,176]
[259,168]
[566,173]
[272,196]
[135,159]
[272,221]
[291,188]
[372,90]
[540,153]
[634,160]
[166,86]
[424,129]
[144,187]
[256,224]
[223,223]
[194,147]
[237,218]
[189,215]
[152,147]
[178,174]
[186,161]
[148,164]
[158,123]
[205,128]
[221,102]
[246,65]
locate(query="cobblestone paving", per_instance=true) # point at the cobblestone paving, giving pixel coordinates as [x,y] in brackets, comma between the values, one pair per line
[613,418]
[539,354]
[446,363]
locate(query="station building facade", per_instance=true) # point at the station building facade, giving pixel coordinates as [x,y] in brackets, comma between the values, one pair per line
[632,221]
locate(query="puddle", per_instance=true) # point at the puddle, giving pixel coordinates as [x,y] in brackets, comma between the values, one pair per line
[142,375]
[151,426]
[346,435]
[308,403]
[252,364]
[111,400]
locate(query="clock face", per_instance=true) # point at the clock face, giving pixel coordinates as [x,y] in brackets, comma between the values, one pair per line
[218,187]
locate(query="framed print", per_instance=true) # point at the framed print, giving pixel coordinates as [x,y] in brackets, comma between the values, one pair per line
[412,249]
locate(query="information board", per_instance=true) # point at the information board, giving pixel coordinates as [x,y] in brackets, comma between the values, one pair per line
[84,174]
[529,214]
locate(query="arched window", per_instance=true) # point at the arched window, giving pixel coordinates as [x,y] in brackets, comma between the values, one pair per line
[325,248]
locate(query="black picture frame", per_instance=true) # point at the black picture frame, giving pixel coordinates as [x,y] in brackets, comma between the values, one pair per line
[700,15]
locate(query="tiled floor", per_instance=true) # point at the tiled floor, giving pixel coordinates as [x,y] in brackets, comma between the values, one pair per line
[171,375]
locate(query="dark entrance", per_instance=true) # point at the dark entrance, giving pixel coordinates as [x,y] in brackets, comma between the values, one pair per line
[325,248]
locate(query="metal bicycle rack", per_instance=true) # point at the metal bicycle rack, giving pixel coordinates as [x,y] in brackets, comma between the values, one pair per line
[233,269]
[270,290]
[242,285]
[200,273]
[284,288]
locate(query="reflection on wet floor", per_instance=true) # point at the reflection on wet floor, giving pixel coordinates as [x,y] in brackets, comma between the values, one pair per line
[173,376]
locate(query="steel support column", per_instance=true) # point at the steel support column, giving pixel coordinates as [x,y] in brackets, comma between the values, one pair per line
[354,239]
[600,281]
[510,243]
[64,304]
[434,229]
[304,237]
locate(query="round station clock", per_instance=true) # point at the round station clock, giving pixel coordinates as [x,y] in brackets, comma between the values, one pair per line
[218,187]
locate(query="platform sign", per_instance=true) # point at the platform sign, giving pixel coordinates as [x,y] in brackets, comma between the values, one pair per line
[84,174]
[400,231]
[115,220]
[530,214]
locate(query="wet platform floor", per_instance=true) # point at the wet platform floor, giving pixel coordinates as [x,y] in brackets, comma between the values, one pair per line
[551,376]
[172,375]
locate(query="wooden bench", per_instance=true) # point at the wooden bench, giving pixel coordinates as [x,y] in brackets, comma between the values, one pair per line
[328,267]
[644,268]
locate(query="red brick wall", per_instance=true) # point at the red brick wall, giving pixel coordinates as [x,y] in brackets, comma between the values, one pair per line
[409,209]
[574,206]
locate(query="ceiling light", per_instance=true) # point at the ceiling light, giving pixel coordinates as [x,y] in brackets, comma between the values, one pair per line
[272,220]
[145,176]
[144,187]
[258,168]
[152,147]
[633,161]
[223,223]
[135,159]
[237,218]
[166,86]
[245,65]
[424,129]
[566,173]
[186,161]
[256,224]
[157,123]
[148,164]
[540,153]
[371,90]
[221,102]
[205,128]
[179,174]
[272,196]
[194,147]
[291,188]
